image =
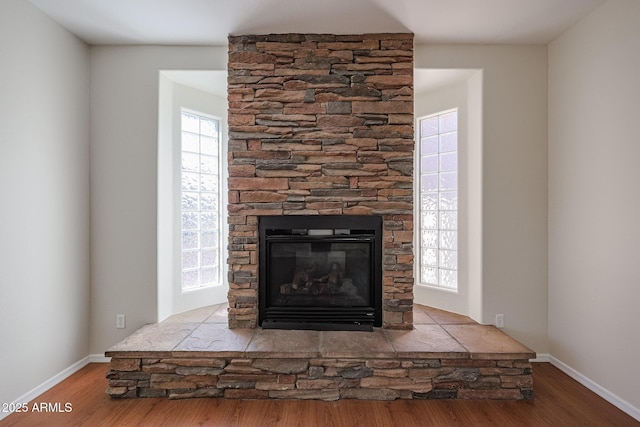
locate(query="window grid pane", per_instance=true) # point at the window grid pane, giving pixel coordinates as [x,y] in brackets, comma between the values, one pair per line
[438,189]
[200,217]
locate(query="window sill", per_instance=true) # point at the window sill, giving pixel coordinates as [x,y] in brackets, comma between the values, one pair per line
[438,288]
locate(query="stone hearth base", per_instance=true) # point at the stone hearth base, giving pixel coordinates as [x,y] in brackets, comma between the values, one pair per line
[446,356]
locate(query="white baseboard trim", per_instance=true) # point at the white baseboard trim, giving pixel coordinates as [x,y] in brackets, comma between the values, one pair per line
[541,358]
[56,379]
[99,358]
[610,397]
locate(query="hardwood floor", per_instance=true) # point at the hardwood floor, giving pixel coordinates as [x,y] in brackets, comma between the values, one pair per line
[559,401]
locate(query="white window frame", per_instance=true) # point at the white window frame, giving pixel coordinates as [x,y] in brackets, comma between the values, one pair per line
[441,260]
[198,214]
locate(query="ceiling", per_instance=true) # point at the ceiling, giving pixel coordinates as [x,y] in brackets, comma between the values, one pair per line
[208,22]
[430,79]
[212,81]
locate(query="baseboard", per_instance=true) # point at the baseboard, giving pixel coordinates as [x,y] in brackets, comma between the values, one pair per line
[99,358]
[610,397]
[541,358]
[56,379]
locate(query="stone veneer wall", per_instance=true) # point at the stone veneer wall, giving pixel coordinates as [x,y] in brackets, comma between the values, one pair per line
[321,125]
[320,378]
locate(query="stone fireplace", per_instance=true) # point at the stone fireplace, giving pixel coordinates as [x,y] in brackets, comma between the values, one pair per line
[320,161]
[321,125]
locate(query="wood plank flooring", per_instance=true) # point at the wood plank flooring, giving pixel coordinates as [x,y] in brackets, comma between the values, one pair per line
[559,401]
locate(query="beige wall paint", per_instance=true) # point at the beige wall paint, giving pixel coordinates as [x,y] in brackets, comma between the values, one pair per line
[514,214]
[44,212]
[594,198]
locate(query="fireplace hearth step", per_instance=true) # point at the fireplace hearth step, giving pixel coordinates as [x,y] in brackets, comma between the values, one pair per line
[446,356]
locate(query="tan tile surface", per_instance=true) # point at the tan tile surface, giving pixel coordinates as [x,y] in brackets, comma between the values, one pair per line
[284,343]
[484,341]
[217,337]
[219,314]
[156,337]
[204,332]
[192,316]
[425,341]
[356,344]
[420,316]
[446,317]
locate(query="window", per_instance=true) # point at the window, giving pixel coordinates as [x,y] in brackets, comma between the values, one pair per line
[200,200]
[438,189]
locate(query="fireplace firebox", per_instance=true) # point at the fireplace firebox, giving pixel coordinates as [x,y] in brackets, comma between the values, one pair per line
[320,272]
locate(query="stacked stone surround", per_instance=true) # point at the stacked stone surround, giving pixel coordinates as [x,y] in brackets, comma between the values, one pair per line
[321,125]
[178,377]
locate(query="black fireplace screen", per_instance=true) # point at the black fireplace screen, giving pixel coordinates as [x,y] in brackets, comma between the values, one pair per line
[320,272]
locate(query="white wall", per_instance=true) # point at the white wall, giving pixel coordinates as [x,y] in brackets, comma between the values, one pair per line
[594,198]
[173,98]
[124,150]
[514,215]
[465,94]
[44,190]
[474,188]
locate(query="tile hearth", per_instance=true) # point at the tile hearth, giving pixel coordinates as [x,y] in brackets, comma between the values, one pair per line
[195,354]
